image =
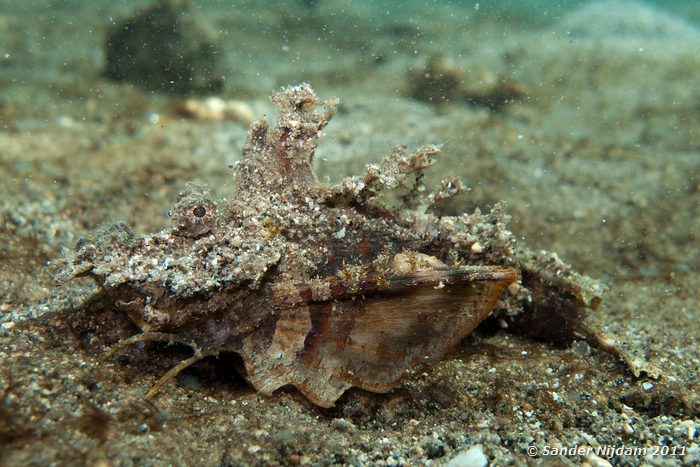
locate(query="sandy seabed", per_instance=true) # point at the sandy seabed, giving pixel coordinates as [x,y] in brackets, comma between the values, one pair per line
[598,160]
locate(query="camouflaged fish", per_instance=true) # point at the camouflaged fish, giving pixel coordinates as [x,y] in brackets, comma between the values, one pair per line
[320,287]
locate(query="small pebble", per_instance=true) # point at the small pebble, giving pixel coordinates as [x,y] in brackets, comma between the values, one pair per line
[143,428]
[628,429]
[581,348]
[342,424]
[472,457]
[215,109]
[254,449]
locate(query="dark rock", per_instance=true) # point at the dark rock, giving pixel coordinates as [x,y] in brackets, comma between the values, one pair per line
[167,47]
[434,450]
[444,80]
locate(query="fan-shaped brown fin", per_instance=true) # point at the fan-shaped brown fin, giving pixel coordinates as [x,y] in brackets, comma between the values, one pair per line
[369,340]
[275,366]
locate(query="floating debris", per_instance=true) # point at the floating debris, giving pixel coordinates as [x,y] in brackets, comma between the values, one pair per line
[323,287]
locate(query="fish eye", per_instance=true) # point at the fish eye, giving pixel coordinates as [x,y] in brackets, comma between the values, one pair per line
[199,211]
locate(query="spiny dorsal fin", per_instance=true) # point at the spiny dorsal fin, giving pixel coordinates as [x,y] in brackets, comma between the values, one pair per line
[280,159]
